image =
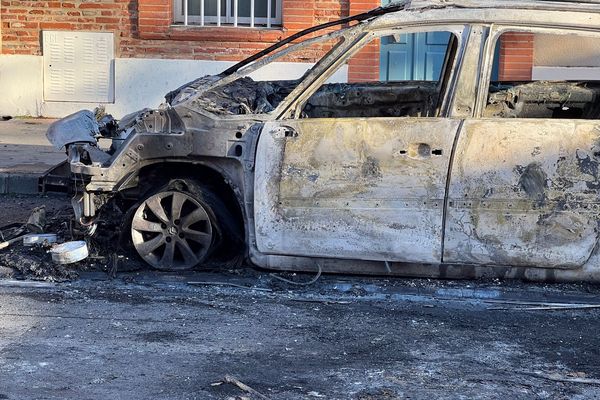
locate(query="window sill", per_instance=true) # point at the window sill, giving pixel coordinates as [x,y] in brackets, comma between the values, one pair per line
[214,33]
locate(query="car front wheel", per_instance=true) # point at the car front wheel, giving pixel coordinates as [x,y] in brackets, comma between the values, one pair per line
[172,230]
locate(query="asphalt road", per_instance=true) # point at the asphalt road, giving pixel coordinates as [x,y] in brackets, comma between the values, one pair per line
[153,336]
[149,335]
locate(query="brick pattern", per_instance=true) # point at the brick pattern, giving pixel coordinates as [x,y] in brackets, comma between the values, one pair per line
[23,21]
[143,28]
[154,16]
[516,56]
[364,65]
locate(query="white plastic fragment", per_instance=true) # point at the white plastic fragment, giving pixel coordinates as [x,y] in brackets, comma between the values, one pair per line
[39,238]
[69,252]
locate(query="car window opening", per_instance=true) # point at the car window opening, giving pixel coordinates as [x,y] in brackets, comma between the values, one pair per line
[366,85]
[380,88]
[532,83]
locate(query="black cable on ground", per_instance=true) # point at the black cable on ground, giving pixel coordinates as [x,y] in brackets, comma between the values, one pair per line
[313,280]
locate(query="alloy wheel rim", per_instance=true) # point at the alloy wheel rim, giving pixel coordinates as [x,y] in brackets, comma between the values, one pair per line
[171,230]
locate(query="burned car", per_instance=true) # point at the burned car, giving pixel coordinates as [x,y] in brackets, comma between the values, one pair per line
[456,172]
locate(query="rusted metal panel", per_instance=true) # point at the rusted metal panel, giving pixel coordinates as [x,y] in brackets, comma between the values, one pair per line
[524,193]
[546,14]
[583,5]
[365,188]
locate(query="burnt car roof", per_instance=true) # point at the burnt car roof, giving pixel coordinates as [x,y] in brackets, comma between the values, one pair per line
[582,14]
[564,5]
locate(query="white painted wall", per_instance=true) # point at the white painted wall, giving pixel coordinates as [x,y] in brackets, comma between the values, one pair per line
[139,83]
[543,73]
[143,83]
[566,57]
[21,85]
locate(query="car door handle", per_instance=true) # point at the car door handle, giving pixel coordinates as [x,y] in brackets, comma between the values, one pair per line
[421,150]
[290,132]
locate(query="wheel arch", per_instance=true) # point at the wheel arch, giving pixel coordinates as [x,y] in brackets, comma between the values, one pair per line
[223,177]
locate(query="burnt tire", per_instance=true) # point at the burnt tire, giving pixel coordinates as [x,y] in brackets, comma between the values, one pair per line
[179,226]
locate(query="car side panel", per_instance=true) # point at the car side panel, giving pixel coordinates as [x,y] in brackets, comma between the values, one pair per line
[360,188]
[524,193]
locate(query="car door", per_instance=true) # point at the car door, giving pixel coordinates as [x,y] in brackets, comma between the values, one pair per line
[364,188]
[357,188]
[524,191]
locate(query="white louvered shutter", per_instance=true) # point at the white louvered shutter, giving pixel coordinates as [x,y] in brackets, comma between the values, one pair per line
[78,66]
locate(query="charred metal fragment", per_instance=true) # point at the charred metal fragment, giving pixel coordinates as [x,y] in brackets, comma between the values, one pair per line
[188,89]
[79,127]
[544,99]
[56,179]
[245,96]
[107,126]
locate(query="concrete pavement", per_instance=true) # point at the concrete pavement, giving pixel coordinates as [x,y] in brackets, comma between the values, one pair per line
[25,154]
[154,336]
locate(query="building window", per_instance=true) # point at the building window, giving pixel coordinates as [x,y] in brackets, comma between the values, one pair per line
[232,12]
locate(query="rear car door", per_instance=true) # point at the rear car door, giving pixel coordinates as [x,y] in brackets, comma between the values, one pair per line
[524,185]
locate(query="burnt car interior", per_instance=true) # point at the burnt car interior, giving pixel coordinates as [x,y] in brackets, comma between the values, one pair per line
[247,96]
[568,99]
[250,94]
[578,99]
[544,99]
[377,99]
[383,98]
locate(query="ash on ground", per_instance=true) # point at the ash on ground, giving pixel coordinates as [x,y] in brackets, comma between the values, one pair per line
[35,262]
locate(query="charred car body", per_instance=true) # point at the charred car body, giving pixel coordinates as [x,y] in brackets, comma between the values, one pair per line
[459,177]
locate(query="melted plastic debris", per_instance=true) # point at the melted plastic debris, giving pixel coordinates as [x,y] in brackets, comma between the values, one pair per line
[245,96]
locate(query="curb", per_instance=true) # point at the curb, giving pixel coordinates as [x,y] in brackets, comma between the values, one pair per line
[23,183]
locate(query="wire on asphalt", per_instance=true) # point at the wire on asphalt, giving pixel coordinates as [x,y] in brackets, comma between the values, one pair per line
[313,280]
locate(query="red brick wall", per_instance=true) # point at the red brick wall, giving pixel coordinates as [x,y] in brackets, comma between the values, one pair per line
[516,56]
[23,21]
[143,28]
[364,66]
